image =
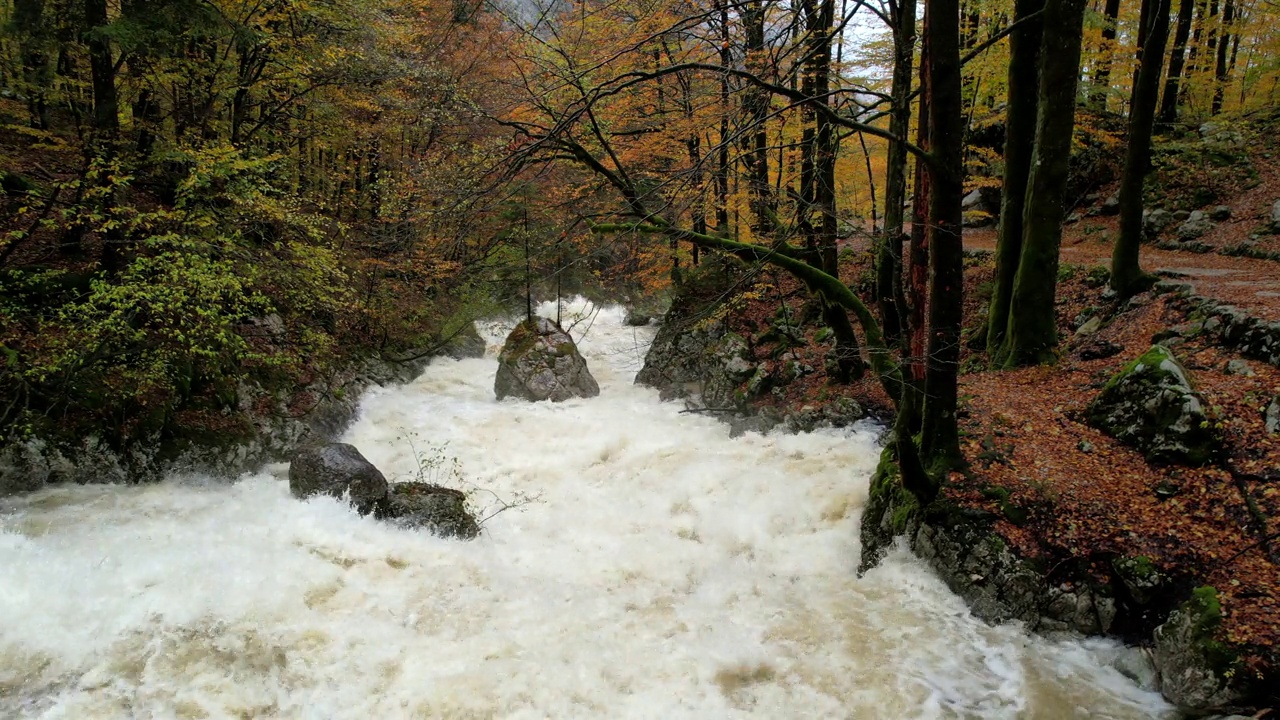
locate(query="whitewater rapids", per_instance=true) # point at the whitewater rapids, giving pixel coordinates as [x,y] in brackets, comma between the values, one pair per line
[659,569]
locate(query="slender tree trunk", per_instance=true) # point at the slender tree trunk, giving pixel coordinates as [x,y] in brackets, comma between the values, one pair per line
[889,294]
[848,356]
[1127,277]
[1220,70]
[918,283]
[1102,75]
[940,438]
[755,104]
[1032,334]
[1172,85]
[722,156]
[1019,142]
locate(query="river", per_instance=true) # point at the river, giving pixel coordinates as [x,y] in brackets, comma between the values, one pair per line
[652,567]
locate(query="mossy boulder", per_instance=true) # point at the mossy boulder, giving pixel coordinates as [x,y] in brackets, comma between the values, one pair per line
[440,510]
[1197,670]
[539,361]
[1151,405]
[694,354]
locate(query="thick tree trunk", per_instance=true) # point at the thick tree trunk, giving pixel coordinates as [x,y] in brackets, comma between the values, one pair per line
[889,294]
[106,120]
[940,439]
[1032,334]
[1102,75]
[1020,134]
[1127,277]
[1172,84]
[28,21]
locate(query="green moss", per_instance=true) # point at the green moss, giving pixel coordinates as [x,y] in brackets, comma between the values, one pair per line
[1207,611]
[888,492]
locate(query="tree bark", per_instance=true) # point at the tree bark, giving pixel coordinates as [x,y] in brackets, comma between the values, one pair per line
[1019,143]
[1172,84]
[1220,70]
[940,438]
[1032,334]
[1127,277]
[1102,75]
[889,294]
[106,120]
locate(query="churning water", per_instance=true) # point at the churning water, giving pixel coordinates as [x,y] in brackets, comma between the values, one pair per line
[662,570]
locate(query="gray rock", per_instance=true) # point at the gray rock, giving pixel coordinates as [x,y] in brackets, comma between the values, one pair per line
[1218,132]
[436,509]
[1181,215]
[1111,206]
[1193,666]
[1140,577]
[1090,326]
[1236,366]
[337,470]
[466,343]
[1151,405]
[636,318]
[1271,416]
[1155,222]
[1218,213]
[1275,216]
[1196,225]
[539,361]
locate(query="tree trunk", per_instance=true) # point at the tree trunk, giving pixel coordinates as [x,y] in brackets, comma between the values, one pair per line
[755,104]
[106,121]
[1127,277]
[1032,334]
[1220,70]
[1102,75]
[28,21]
[940,439]
[1172,85]
[889,294]
[1019,142]
[918,283]
[722,156]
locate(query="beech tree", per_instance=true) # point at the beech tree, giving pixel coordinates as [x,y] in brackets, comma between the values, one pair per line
[1127,277]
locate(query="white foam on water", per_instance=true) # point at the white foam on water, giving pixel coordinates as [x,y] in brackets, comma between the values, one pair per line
[664,571]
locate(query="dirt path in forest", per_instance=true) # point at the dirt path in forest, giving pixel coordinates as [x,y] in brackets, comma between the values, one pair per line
[1252,284]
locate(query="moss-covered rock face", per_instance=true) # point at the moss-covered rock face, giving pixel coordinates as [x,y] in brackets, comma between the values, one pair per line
[539,361]
[1197,670]
[1151,405]
[891,511]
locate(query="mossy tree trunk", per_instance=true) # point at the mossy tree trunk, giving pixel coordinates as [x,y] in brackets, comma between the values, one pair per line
[1032,336]
[1020,131]
[1127,276]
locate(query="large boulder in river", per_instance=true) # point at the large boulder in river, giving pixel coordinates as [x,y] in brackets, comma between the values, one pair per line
[1152,406]
[337,470]
[694,354]
[539,361]
[439,510]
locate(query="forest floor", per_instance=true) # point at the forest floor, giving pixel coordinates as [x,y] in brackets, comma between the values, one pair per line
[1084,499]
[1092,499]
